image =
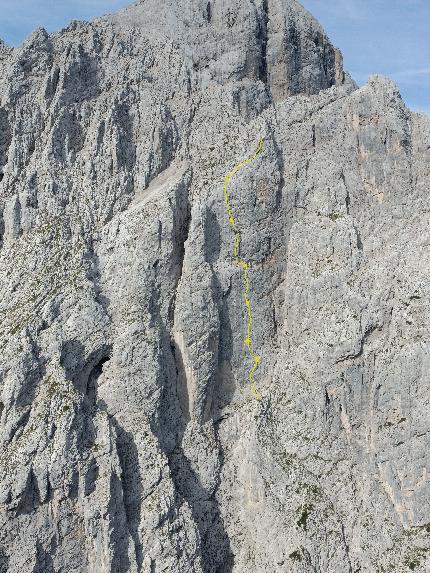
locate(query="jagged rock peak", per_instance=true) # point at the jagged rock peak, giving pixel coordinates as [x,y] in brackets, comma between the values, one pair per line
[276,41]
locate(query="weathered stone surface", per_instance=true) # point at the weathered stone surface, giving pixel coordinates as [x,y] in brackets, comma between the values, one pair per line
[129,438]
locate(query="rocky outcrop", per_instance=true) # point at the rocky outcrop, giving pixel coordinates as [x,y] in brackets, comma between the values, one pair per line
[129,438]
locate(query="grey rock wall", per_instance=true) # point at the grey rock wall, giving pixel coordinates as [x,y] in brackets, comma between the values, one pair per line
[129,438]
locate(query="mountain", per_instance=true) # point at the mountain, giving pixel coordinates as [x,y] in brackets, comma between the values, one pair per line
[214,277]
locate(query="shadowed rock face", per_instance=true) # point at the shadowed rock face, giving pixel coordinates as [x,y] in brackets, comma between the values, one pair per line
[274,41]
[129,439]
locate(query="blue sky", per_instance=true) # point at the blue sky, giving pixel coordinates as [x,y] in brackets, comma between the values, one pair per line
[19,17]
[389,37]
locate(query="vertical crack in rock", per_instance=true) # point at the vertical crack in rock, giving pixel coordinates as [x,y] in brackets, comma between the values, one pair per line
[181,233]
[131,485]
[94,276]
[52,84]
[18,427]
[262,38]
[5,140]
[182,390]
[215,550]
[346,545]
[208,12]
[223,389]
[44,562]
[90,390]
[30,496]
[165,143]
[2,224]
[4,560]
[280,165]
[119,538]
[294,58]
[87,383]
[125,148]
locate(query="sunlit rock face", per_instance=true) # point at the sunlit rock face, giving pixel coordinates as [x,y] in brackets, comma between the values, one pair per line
[130,440]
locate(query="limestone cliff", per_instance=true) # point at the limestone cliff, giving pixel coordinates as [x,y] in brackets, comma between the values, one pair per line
[129,439]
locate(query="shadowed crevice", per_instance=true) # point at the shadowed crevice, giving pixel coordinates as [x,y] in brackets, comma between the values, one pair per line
[131,486]
[262,37]
[5,138]
[215,549]
[168,425]
[44,563]
[30,497]
[119,537]
[4,560]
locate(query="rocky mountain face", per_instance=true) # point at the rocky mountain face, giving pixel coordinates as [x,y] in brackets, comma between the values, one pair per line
[130,440]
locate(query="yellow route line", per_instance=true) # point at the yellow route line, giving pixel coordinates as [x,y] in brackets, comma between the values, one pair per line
[245,266]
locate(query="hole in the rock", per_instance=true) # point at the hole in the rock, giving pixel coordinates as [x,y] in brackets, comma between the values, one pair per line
[91,390]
